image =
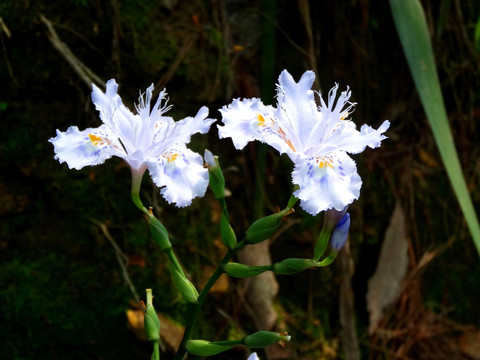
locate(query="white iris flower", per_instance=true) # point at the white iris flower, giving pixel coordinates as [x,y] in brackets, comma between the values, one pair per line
[316,138]
[144,140]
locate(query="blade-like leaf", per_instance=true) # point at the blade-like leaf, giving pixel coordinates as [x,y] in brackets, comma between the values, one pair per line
[413,32]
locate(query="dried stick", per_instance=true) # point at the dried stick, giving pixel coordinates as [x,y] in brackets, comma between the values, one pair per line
[121,257]
[87,75]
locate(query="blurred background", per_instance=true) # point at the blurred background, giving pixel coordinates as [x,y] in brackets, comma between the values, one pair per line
[75,253]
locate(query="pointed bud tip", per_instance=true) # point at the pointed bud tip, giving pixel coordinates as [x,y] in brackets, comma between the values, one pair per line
[210,158]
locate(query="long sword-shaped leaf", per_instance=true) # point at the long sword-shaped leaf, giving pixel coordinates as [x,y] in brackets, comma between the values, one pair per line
[412,29]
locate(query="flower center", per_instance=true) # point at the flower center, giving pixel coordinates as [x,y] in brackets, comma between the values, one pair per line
[324,161]
[171,156]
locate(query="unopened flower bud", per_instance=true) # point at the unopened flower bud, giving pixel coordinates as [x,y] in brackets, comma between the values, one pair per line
[292,266]
[210,158]
[263,228]
[215,175]
[206,348]
[151,321]
[159,233]
[340,233]
[184,286]
[262,339]
[228,235]
[330,220]
[292,201]
[243,271]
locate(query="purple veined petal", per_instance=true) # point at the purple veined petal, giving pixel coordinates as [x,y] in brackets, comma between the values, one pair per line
[326,182]
[180,174]
[85,148]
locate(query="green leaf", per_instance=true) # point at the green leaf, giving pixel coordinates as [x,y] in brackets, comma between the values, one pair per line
[413,32]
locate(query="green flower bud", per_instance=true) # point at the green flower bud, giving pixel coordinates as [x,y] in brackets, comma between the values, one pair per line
[263,229]
[292,201]
[228,235]
[151,321]
[206,348]
[262,339]
[215,175]
[292,266]
[243,271]
[159,233]
[184,286]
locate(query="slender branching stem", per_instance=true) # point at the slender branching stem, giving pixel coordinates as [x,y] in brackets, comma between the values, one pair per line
[195,308]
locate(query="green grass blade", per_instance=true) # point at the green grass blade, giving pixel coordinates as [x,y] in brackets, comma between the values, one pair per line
[413,32]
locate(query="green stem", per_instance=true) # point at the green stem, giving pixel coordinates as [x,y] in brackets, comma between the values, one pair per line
[195,309]
[156,351]
[322,243]
[330,259]
[174,260]
[137,176]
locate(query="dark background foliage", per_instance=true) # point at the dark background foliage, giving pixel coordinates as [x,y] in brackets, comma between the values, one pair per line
[62,291]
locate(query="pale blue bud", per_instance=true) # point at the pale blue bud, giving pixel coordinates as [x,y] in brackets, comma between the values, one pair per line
[340,233]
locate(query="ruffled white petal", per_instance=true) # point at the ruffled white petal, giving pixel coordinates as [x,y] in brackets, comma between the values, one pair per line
[296,110]
[115,115]
[168,132]
[85,148]
[185,128]
[241,122]
[326,182]
[180,174]
[347,138]
[253,356]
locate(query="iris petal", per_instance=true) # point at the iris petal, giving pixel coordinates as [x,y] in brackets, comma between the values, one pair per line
[240,120]
[85,148]
[332,185]
[180,174]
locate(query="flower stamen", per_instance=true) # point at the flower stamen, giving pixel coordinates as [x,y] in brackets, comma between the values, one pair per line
[171,156]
